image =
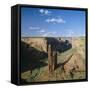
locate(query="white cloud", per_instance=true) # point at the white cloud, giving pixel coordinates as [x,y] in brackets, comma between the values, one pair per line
[42,31]
[34,28]
[45,11]
[41,10]
[70,33]
[44,35]
[55,20]
[49,34]
[54,32]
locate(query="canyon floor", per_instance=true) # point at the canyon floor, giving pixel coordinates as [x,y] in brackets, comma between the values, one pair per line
[70,64]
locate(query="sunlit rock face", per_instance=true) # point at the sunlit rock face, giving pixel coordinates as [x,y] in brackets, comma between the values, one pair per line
[38,43]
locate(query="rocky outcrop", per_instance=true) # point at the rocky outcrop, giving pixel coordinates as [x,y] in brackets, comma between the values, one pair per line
[38,43]
[41,43]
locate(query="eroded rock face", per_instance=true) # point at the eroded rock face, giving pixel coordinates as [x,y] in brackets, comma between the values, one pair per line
[38,43]
[74,64]
[41,44]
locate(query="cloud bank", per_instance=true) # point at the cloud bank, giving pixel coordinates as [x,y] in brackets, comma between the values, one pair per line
[55,20]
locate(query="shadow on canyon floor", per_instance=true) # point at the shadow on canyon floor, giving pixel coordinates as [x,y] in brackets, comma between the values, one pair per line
[59,45]
[31,58]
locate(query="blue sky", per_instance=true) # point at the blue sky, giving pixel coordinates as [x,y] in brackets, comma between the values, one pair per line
[41,22]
